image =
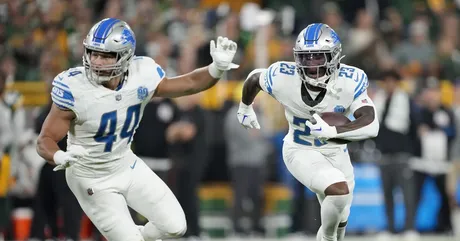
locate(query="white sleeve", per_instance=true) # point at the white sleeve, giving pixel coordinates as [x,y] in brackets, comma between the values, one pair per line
[369,131]
[62,96]
[267,78]
[65,91]
[262,83]
[152,73]
[362,100]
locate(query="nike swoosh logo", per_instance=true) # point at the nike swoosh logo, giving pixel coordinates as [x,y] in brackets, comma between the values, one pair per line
[134,165]
[319,129]
[244,118]
[274,71]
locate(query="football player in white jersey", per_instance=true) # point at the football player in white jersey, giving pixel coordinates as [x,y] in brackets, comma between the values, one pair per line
[316,83]
[100,106]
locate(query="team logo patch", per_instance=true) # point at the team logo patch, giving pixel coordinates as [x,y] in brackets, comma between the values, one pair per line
[335,37]
[127,37]
[339,109]
[142,93]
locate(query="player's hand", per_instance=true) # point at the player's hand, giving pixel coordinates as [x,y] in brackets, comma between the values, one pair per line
[247,117]
[222,55]
[321,129]
[65,159]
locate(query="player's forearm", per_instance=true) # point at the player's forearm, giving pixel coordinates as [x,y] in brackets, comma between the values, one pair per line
[191,83]
[251,88]
[365,126]
[46,148]
[355,134]
[204,78]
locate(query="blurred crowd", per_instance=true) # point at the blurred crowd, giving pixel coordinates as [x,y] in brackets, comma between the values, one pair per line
[410,51]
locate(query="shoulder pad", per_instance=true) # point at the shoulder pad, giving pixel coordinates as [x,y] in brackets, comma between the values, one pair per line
[65,86]
[355,77]
[151,73]
[276,70]
[255,71]
[147,63]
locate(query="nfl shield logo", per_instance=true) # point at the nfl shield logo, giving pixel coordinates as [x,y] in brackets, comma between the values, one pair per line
[142,93]
[90,191]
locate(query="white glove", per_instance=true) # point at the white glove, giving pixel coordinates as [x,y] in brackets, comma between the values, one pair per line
[247,117]
[321,129]
[65,159]
[222,56]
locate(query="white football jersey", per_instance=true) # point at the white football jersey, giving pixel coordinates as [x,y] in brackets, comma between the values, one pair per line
[106,119]
[346,93]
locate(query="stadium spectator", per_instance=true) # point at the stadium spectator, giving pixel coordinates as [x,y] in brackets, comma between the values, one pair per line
[398,120]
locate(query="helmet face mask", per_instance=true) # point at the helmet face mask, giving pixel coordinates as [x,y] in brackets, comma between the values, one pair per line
[313,65]
[317,54]
[112,43]
[101,73]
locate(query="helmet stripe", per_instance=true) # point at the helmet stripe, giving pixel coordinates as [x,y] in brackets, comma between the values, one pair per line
[103,30]
[317,32]
[305,35]
[312,33]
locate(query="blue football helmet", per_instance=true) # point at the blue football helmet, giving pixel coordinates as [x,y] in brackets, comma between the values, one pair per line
[317,54]
[109,35]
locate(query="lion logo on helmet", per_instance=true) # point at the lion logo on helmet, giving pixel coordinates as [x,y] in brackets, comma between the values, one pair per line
[127,37]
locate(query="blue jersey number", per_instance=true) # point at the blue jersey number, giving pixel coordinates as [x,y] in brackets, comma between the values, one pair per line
[300,122]
[109,120]
[346,72]
[74,72]
[287,69]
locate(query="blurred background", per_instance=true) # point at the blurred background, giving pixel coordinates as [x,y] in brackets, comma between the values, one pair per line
[232,183]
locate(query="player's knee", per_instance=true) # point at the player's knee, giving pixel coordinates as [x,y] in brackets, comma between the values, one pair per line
[178,230]
[337,204]
[105,222]
[178,227]
[336,189]
[331,182]
[182,230]
[345,213]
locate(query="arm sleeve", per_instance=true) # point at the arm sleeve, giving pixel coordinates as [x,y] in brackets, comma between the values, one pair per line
[152,73]
[62,96]
[68,91]
[360,101]
[267,77]
[266,87]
